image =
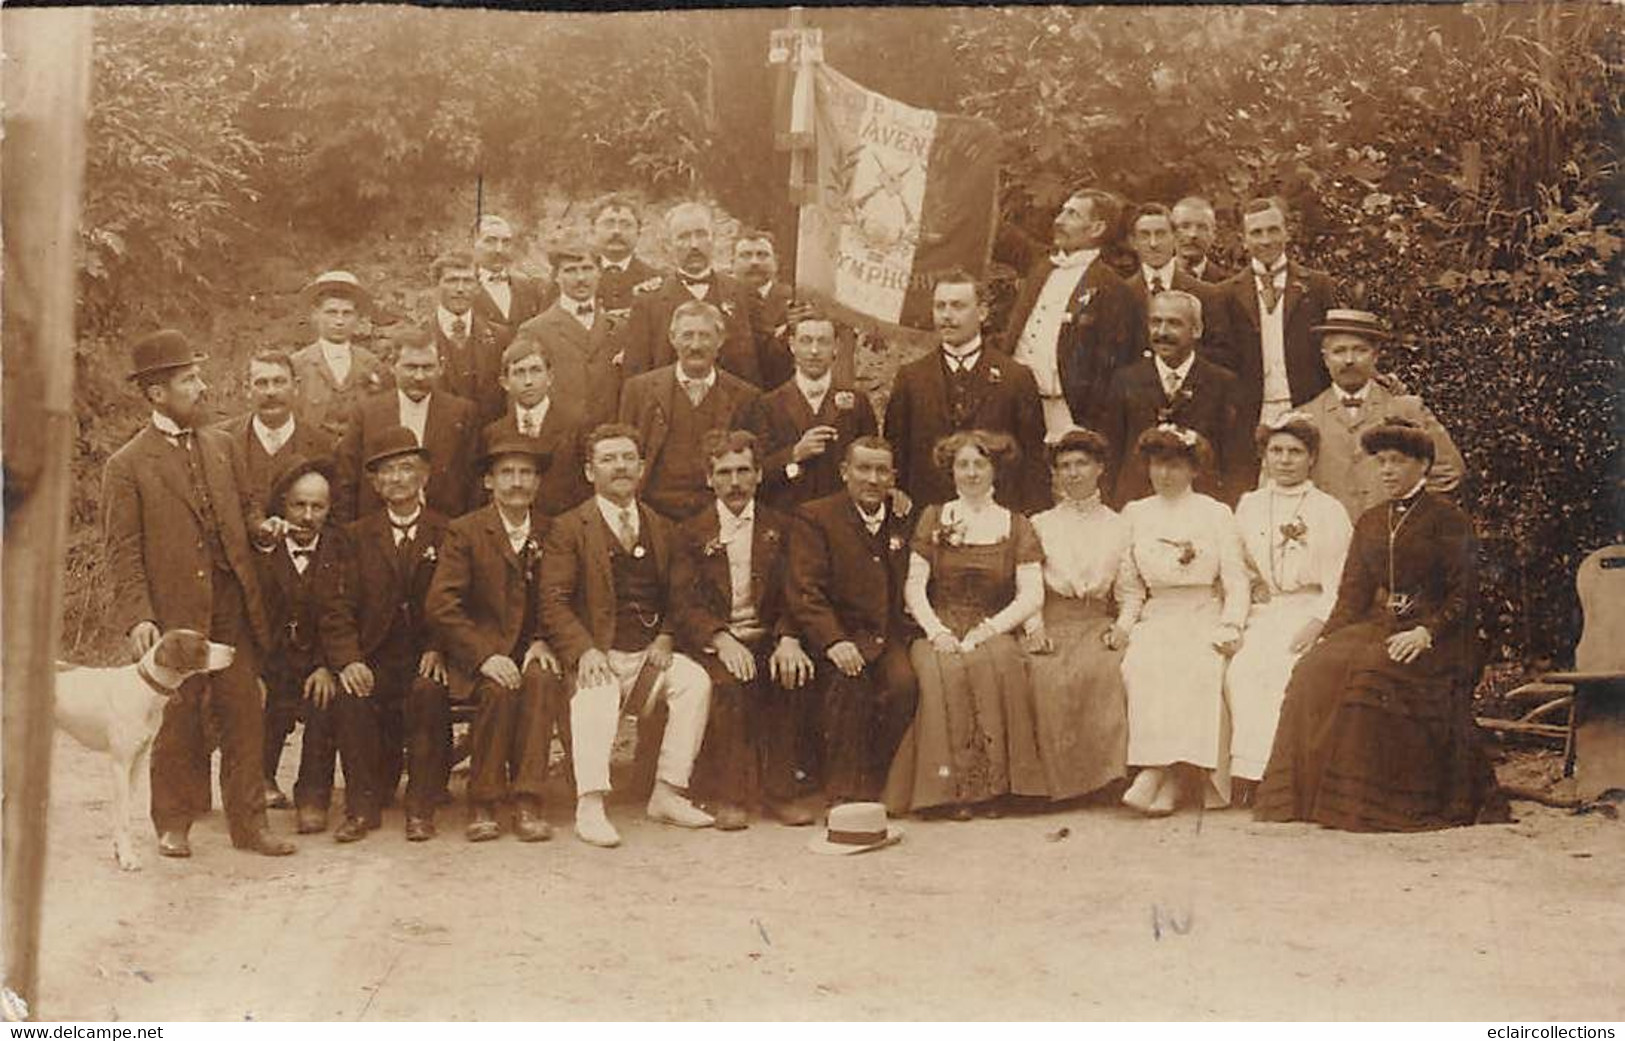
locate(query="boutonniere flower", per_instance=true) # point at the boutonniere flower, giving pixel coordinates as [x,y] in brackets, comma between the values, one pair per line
[994,375]
[727,307]
[430,555]
[648,285]
[712,548]
[1083,301]
[845,401]
[1293,531]
[949,532]
[1187,551]
[895,543]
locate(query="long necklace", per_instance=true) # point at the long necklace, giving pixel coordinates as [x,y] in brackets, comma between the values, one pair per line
[1399,604]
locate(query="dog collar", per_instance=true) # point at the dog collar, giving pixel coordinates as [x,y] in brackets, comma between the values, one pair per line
[151,680]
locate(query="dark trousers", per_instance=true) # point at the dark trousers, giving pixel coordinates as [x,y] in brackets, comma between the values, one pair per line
[231,698]
[428,745]
[512,737]
[753,738]
[284,697]
[865,718]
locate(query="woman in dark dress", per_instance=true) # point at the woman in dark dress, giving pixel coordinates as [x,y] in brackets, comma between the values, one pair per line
[1376,732]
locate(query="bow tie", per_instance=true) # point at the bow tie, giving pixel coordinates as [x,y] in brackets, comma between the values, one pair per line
[179,438]
[584,309]
[500,277]
[405,526]
[695,280]
[1353,402]
[301,552]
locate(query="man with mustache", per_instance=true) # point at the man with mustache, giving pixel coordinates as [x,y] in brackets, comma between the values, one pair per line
[470,344]
[1176,385]
[615,227]
[647,341]
[579,333]
[505,296]
[271,434]
[756,264]
[1152,236]
[1195,228]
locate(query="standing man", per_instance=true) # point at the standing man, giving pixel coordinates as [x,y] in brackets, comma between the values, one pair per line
[1269,308]
[333,374]
[470,344]
[1075,322]
[744,342]
[756,264]
[1177,385]
[965,385]
[1195,230]
[482,606]
[578,331]
[848,561]
[375,632]
[505,296]
[615,228]
[442,423]
[270,436]
[606,606]
[1152,236]
[1359,400]
[179,558]
[728,575]
[673,407]
[551,424]
[804,425]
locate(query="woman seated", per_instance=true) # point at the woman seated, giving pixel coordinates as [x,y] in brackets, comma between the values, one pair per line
[1377,733]
[1077,680]
[1296,537]
[975,574]
[1182,595]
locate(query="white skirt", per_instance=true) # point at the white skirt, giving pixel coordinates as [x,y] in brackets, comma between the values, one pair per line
[1255,683]
[1175,684]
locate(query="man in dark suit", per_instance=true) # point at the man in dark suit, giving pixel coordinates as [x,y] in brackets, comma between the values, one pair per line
[648,344]
[1195,229]
[1151,233]
[673,407]
[296,572]
[804,425]
[442,423]
[615,227]
[505,296]
[179,558]
[1074,322]
[728,576]
[550,423]
[1269,309]
[374,631]
[270,436]
[848,560]
[579,333]
[470,344]
[483,607]
[756,265]
[1177,385]
[606,606]
[965,385]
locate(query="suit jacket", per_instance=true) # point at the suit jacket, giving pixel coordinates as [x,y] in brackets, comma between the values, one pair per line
[578,590]
[776,361]
[482,599]
[451,435]
[157,556]
[646,403]
[846,584]
[1343,470]
[324,402]
[1001,396]
[1308,295]
[616,289]
[1215,346]
[382,591]
[701,586]
[584,368]
[564,481]
[647,340]
[525,301]
[1213,274]
[471,369]
[1105,330]
[293,602]
[1207,402]
[779,419]
[308,442]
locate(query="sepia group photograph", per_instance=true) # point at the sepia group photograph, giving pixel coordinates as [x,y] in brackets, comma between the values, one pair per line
[1103,514]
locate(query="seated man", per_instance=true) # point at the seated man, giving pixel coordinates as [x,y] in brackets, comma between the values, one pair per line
[393,678]
[606,590]
[483,608]
[728,575]
[848,560]
[550,423]
[1358,400]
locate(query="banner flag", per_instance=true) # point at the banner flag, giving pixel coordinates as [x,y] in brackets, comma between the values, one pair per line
[896,195]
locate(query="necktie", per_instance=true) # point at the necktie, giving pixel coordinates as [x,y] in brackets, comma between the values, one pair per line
[695,389]
[1267,290]
[529,426]
[1170,383]
[459,327]
[1156,284]
[624,530]
[872,522]
[301,557]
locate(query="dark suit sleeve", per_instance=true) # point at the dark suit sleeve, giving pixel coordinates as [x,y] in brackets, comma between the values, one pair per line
[693,620]
[1238,469]
[809,604]
[1113,426]
[899,417]
[1216,328]
[1029,433]
[637,337]
[339,626]
[347,468]
[121,528]
[561,570]
[453,582]
[1359,583]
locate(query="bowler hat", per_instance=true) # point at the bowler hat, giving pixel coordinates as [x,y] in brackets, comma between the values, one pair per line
[391,442]
[164,349]
[856,827]
[1347,320]
[336,283]
[514,444]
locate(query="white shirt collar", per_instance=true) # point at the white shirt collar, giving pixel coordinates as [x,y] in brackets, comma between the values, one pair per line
[965,352]
[404,522]
[1184,367]
[766,288]
[538,412]
[812,389]
[612,513]
[487,275]
[1166,273]
[707,381]
[732,522]
[166,425]
[515,530]
[335,350]
[1081,258]
[408,405]
[1278,271]
[314,542]
[1344,395]
[604,263]
[871,520]
[281,433]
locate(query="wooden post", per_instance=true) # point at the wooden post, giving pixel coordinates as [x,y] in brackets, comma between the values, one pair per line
[47,90]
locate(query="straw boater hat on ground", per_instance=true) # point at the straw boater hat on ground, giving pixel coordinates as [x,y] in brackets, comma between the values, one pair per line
[336,283]
[1348,320]
[164,349]
[391,442]
[856,827]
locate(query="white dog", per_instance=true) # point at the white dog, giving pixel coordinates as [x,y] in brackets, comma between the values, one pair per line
[118,710]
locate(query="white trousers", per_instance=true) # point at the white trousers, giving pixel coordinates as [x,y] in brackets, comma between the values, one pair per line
[1057,417]
[595,712]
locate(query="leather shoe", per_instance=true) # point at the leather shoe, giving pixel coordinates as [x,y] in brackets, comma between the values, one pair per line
[731,818]
[352,829]
[792,814]
[419,829]
[270,845]
[528,824]
[275,797]
[310,820]
[482,827]
[173,844]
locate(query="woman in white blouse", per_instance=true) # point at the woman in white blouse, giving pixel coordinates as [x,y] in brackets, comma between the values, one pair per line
[1077,679]
[1182,597]
[975,575]
[1296,537]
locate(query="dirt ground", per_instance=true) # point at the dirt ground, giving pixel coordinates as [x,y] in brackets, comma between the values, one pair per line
[1076,914]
